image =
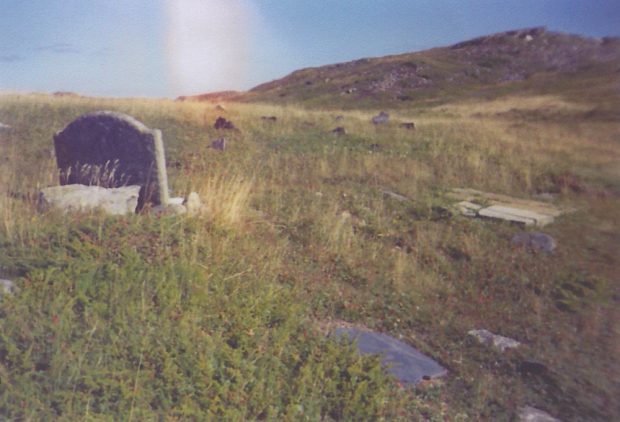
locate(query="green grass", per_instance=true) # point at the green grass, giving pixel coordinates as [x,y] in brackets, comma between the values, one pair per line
[223,315]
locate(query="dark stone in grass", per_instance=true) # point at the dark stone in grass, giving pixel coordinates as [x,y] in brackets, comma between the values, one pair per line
[339,131]
[219,144]
[381,118]
[408,125]
[530,367]
[407,364]
[534,241]
[269,118]
[222,123]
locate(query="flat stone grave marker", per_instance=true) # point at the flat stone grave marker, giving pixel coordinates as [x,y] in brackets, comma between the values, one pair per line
[406,363]
[475,203]
[112,150]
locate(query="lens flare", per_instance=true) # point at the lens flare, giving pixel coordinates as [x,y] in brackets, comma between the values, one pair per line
[209,44]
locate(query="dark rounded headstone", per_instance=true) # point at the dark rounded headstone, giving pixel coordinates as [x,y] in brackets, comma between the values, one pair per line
[111,150]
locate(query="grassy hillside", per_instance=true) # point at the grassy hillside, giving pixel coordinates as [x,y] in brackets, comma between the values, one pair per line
[529,61]
[224,315]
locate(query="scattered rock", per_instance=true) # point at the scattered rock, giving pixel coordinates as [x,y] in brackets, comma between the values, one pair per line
[515,215]
[531,414]
[269,118]
[381,118]
[111,150]
[71,198]
[219,144]
[394,195]
[222,123]
[339,131]
[531,367]
[407,125]
[339,117]
[6,287]
[534,241]
[374,147]
[499,342]
[193,204]
[406,363]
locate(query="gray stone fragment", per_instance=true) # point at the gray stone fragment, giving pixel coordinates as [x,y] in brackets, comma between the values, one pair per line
[6,287]
[4,126]
[381,118]
[69,198]
[531,414]
[111,150]
[499,342]
[407,364]
[394,195]
[535,241]
[193,204]
[516,215]
[339,131]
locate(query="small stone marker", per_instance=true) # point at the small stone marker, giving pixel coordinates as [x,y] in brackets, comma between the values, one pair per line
[111,150]
[499,342]
[535,241]
[269,118]
[531,414]
[408,125]
[381,118]
[339,131]
[407,364]
[69,198]
[219,144]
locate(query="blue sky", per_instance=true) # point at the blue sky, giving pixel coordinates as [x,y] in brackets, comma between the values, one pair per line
[166,48]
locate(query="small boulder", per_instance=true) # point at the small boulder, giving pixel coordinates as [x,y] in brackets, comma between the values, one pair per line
[339,117]
[170,209]
[219,144]
[222,123]
[534,241]
[269,118]
[381,118]
[499,342]
[408,125]
[339,131]
[71,198]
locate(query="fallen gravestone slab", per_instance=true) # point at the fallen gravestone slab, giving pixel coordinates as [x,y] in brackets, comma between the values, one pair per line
[516,215]
[70,198]
[407,364]
[111,150]
[499,342]
[534,241]
[474,203]
[531,414]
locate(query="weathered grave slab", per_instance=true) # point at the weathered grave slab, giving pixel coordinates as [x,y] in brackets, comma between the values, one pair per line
[406,363]
[111,150]
[381,118]
[499,342]
[70,198]
[475,203]
[515,215]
